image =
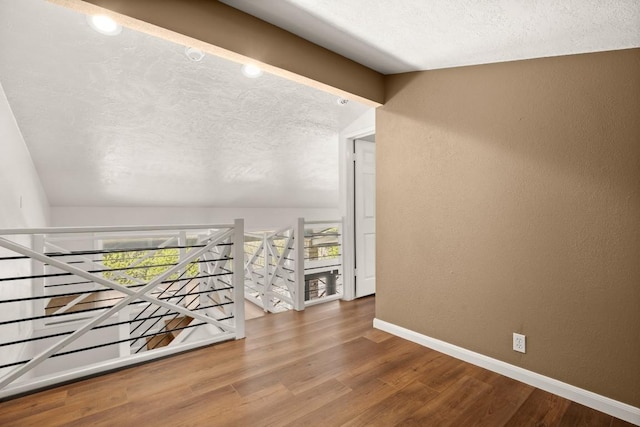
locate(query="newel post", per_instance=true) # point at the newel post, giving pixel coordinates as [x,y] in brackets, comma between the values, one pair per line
[299,264]
[238,276]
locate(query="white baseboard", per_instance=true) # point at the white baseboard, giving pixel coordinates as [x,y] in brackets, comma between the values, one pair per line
[584,397]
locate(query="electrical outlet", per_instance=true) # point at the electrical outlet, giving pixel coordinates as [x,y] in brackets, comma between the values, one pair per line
[519,343]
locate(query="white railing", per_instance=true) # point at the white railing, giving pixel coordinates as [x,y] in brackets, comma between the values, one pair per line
[77,301]
[271,263]
[322,261]
[284,272]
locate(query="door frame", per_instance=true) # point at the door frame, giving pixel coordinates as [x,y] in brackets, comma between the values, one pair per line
[347,208]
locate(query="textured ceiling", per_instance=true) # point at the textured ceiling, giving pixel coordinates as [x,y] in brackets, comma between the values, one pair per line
[410,35]
[129,120]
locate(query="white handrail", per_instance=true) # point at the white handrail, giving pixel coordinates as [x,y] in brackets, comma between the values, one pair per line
[109,229]
[332,221]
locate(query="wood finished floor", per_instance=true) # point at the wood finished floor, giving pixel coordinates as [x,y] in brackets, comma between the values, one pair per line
[326,366]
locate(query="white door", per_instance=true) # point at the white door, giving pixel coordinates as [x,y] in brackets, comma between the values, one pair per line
[365,217]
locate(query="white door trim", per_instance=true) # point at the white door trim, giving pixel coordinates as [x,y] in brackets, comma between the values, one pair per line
[347,206]
[365,217]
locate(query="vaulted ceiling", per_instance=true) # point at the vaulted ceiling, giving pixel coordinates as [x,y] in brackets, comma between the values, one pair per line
[129,120]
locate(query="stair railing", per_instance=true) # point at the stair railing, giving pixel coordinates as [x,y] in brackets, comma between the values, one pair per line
[280,265]
[322,261]
[73,303]
[270,270]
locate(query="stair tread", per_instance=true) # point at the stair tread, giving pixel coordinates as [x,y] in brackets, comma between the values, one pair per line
[159,340]
[171,330]
[90,300]
[174,326]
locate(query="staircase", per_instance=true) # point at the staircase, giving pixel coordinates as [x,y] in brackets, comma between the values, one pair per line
[82,301]
[169,332]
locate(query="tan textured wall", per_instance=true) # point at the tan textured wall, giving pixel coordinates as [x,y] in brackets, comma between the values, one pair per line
[230,33]
[509,201]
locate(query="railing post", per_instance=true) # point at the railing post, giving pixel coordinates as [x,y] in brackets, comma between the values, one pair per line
[265,294]
[238,276]
[182,252]
[298,244]
[341,253]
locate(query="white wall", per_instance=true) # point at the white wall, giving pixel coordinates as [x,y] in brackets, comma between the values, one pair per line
[255,218]
[23,204]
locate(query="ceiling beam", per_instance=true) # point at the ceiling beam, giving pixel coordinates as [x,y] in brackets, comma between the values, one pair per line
[221,30]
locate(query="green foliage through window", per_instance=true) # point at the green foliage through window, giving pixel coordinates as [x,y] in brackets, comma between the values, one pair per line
[322,244]
[144,265]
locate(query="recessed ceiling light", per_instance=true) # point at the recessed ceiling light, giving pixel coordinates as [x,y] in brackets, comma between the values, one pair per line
[104,25]
[252,71]
[342,101]
[194,54]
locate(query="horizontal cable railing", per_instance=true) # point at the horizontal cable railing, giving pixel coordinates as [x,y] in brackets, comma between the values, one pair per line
[77,301]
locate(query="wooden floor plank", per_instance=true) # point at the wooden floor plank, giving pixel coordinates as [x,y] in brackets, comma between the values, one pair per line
[307,373]
[73,408]
[418,362]
[18,409]
[360,400]
[392,356]
[325,366]
[246,411]
[578,415]
[396,407]
[541,409]
[376,335]
[496,407]
[286,410]
[445,408]
[620,423]
[442,372]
